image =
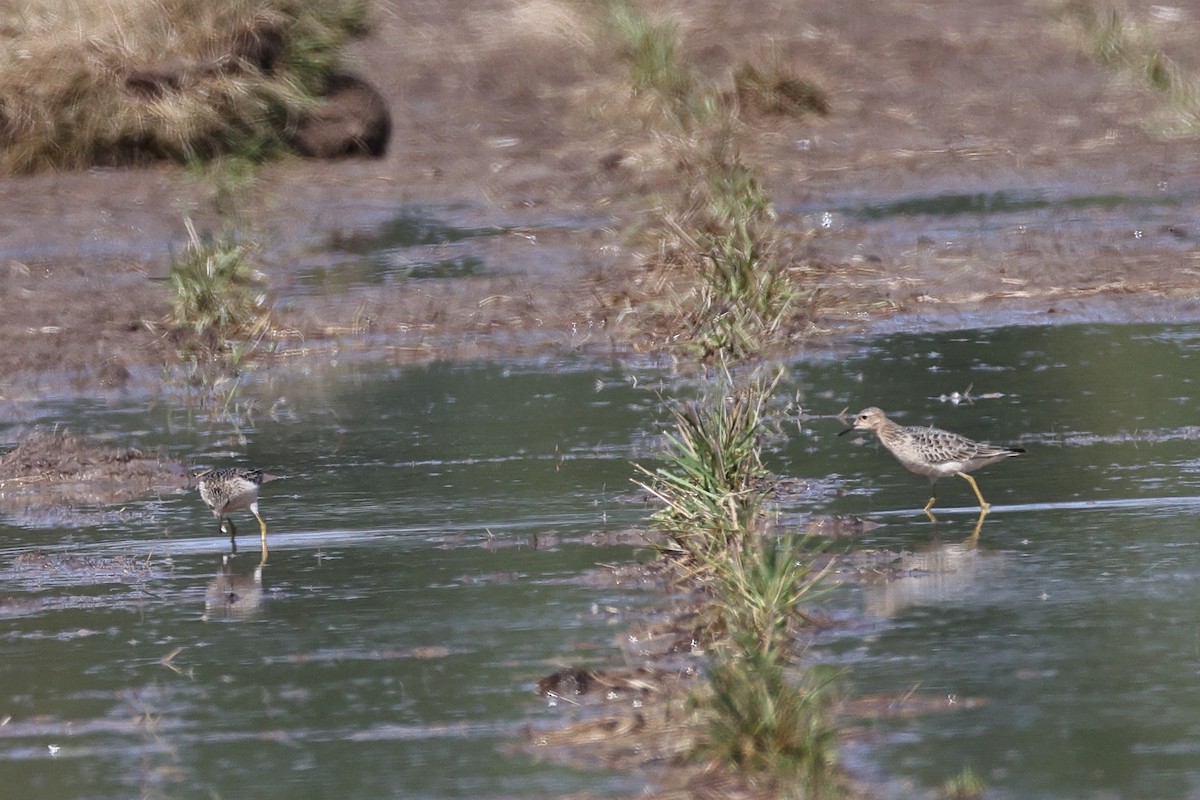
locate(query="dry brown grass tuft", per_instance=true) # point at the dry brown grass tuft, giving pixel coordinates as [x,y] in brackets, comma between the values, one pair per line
[126,81]
[776,90]
[1124,41]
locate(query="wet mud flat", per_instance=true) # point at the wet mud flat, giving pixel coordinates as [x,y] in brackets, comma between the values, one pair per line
[57,479]
[942,197]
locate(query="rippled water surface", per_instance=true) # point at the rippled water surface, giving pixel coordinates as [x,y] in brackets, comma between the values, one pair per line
[1066,643]
[433,544]
[427,547]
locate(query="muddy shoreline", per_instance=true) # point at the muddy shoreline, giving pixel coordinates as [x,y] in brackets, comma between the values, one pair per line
[487,133]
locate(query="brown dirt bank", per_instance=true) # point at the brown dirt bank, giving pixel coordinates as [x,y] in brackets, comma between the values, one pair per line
[512,112]
[48,477]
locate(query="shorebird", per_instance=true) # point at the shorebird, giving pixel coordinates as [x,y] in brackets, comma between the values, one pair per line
[932,452]
[230,489]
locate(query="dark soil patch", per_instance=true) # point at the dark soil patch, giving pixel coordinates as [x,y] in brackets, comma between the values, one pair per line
[47,475]
[80,568]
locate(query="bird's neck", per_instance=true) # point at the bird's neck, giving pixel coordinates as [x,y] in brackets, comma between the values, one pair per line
[889,431]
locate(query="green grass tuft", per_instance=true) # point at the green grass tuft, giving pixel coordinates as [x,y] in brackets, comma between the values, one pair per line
[216,290]
[760,588]
[651,51]
[966,785]
[747,293]
[762,721]
[1112,42]
[713,484]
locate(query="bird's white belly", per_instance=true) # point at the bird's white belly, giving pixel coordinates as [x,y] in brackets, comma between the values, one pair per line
[940,470]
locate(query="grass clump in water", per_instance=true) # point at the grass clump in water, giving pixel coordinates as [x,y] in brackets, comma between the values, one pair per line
[966,785]
[760,720]
[763,716]
[215,289]
[760,588]
[132,81]
[714,484]
[758,715]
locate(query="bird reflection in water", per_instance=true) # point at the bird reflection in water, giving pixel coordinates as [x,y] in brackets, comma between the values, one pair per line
[233,596]
[946,573]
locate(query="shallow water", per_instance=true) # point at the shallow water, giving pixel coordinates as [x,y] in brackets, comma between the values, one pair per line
[1061,220]
[426,553]
[1066,642]
[433,543]
[392,246]
[415,244]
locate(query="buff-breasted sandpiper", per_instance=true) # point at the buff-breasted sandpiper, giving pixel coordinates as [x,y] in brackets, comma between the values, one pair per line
[932,452]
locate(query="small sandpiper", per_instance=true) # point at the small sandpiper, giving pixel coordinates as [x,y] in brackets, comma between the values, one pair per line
[231,489]
[932,452]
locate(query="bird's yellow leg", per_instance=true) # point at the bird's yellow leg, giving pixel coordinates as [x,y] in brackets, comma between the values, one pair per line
[262,526]
[984,506]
